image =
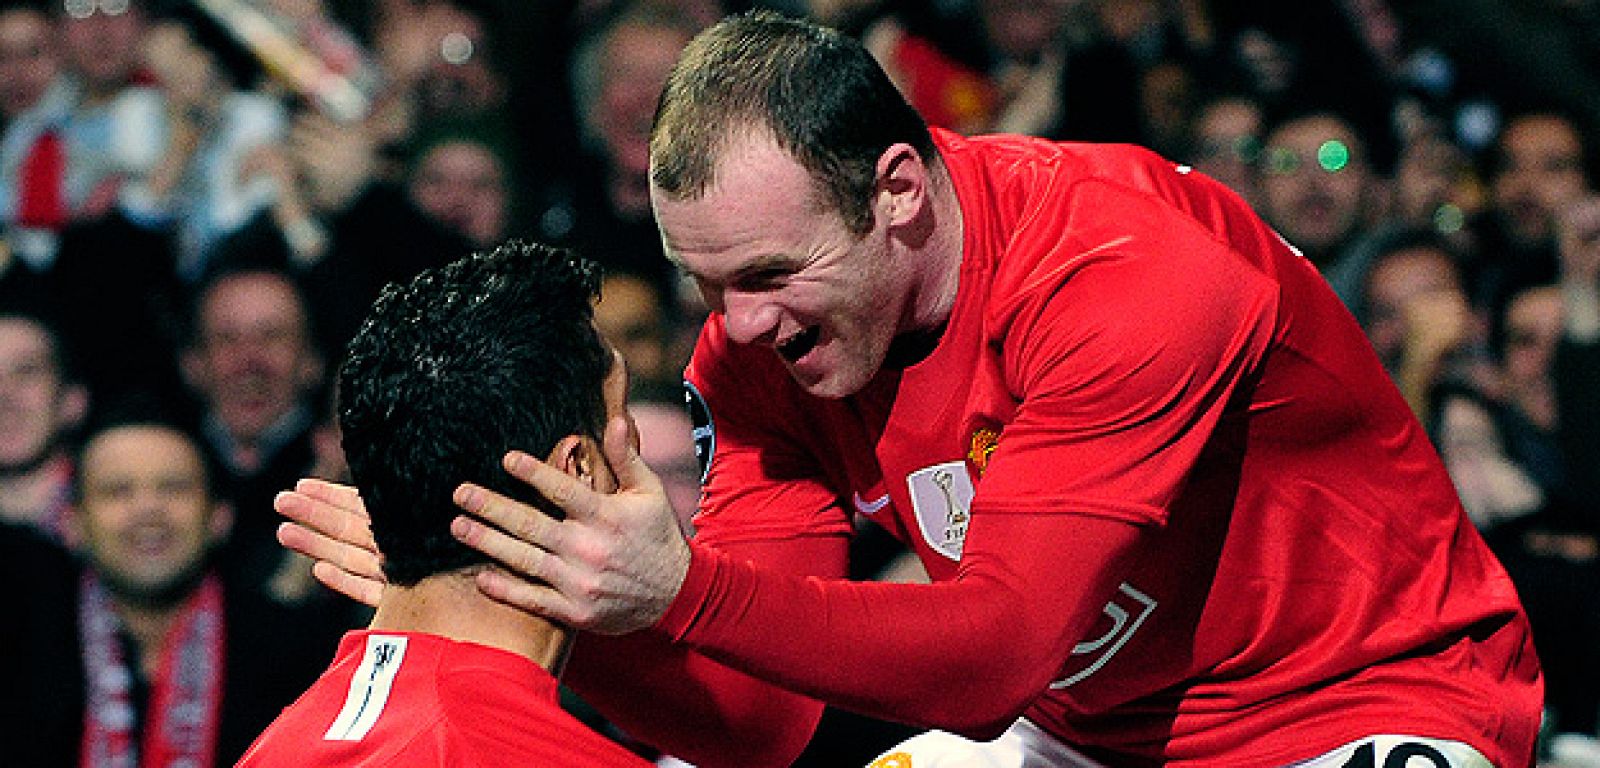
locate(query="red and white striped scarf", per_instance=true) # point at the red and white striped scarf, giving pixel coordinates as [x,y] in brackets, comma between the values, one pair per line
[185,696]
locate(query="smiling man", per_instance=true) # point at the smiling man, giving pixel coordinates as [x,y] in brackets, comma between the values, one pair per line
[176,662]
[1173,510]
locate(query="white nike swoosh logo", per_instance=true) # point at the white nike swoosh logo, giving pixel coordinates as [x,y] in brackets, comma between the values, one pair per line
[868,507]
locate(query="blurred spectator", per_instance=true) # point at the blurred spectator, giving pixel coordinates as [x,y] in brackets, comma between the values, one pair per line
[41,405]
[69,157]
[1536,169]
[170,661]
[1538,51]
[1319,191]
[196,191]
[618,73]
[1576,363]
[255,372]
[988,65]
[462,179]
[1415,312]
[337,222]
[633,315]
[440,57]
[1528,343]
[28,58]
[1225,142]
[1434,186]
[1339,56]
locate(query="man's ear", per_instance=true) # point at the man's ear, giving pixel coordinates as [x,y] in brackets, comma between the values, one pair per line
[902,185]
[572,456]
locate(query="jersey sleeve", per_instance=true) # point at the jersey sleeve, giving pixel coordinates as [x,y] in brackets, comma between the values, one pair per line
[1123,343]
[763,480]
[764,506]
[1123,346]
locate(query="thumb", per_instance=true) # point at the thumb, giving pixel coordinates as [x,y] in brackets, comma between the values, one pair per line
[621,445]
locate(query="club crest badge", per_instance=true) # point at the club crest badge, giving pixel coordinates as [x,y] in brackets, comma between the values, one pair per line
[984,441]
[941,496]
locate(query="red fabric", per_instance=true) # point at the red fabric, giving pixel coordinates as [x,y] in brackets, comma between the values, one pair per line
[947,93]
[451,704]
[698,709]
[41,198]
[1131,349]
[185,693]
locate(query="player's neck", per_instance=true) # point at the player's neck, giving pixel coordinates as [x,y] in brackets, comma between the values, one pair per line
[450,605]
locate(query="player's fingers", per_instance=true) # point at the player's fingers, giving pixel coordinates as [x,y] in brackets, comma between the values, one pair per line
[358,562]
[520,520]
[516,554]
[334,522]
[337,494]
[621,445]
[364,591]
[566,492]
[531,597]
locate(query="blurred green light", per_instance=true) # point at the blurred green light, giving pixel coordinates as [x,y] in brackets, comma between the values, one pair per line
[1333,155]
[1449,219]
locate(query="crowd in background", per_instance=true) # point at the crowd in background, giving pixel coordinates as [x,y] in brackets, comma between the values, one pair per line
[192,223]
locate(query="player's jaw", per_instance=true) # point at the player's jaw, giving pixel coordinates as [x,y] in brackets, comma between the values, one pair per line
[837,356]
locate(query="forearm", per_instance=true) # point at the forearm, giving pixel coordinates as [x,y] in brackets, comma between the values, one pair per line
[968,655]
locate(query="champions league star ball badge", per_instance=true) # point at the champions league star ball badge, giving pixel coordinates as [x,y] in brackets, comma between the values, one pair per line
[705,433]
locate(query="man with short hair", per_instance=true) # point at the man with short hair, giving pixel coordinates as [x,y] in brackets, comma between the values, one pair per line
[492,353]
[254,367]
[163,656]
[1173,510]
[41,403]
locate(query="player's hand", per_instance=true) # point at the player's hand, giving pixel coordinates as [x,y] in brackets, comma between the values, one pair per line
[330,526]
[612,566]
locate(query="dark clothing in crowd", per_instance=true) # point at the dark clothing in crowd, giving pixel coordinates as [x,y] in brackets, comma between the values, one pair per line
[272,653]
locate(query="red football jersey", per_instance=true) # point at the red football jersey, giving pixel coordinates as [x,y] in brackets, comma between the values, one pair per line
[399,699]
[1131,343]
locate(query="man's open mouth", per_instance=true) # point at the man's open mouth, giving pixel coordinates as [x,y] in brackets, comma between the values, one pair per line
[796,346]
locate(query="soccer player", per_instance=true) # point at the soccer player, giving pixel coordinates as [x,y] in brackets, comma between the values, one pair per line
[1173,509]
[449,372]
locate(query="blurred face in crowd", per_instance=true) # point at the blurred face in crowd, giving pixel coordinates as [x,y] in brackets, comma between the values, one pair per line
[634,67]
[145,517]
[36,404]
[461,79]
[1227,144]
[666,444]
[1540,172]
[28,61]
[1532,328]
[1314,181]
[631,317]
[1021,30]
[462,185]
[1426,178]
[1397,279]
[253,361]
[103,41]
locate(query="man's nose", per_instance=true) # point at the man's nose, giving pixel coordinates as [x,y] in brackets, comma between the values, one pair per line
[750,318]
